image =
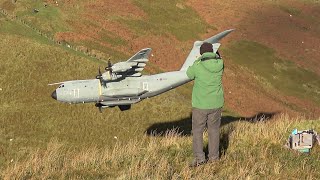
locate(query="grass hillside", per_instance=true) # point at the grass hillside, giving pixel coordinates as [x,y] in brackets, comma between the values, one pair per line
[41,138]
[288,29]
[272,58]
[274,71]
[28,111]
[30,118]
[250,150]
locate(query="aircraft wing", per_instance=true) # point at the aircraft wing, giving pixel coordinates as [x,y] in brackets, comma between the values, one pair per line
[58,83]
[134,65]
[142,54]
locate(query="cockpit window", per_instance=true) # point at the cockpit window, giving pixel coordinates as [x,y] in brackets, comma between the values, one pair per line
[61,86]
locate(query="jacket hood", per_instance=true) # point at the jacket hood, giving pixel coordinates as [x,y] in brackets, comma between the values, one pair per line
[212,62]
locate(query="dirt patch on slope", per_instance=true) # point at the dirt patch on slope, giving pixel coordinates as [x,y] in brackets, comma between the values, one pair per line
[247,96]
[8,5]
[293,38]
[70,36]
[167,52]
[112,8]
[289,27]
[98,23]
[102,16]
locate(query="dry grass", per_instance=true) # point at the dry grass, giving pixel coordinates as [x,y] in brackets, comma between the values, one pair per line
[30,118]
[254,151]
[44,139]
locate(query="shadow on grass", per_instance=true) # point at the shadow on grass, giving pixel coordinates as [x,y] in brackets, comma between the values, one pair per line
[183,127]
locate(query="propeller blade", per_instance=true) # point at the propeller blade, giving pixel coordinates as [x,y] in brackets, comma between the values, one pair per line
[99,106]
[99,76]
[109,64]
[109,67]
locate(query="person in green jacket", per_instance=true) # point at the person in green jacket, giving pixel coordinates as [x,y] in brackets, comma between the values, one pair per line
[207,102]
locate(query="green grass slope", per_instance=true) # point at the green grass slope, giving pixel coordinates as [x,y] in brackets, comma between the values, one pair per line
[93,21]
[249,151]
[30,117]
[274,72]
[49,19]
[168,17]
[41,138]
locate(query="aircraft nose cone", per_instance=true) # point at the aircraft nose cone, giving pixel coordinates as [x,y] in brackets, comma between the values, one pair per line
[54,95]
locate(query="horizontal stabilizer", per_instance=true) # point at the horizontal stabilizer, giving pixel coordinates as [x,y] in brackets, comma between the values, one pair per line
[195,52]
[218,37]
[215,47]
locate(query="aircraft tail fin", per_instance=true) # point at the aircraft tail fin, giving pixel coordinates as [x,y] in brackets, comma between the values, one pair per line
[195,52]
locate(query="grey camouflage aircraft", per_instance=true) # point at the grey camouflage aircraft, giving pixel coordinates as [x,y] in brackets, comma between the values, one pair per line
[123,84]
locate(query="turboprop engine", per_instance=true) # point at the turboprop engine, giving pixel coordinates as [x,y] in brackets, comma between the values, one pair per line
[118,70]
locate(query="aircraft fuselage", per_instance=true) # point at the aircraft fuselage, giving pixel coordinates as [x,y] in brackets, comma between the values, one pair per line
[123,92]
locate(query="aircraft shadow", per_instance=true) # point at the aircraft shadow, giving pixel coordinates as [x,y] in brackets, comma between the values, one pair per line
[183,128]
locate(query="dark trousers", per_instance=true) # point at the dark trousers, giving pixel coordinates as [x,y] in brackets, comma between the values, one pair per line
[200,119]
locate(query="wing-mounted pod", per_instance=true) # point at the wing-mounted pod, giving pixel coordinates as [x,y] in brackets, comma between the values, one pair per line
[130,68]
[122,67]
[136,70]
[134,65]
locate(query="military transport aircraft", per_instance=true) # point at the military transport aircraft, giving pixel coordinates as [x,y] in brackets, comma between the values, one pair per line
[123,84]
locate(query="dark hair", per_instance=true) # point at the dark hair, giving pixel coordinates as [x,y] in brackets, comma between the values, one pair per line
[206,47]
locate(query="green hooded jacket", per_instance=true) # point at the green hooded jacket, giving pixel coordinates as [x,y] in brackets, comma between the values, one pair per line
[207,90]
